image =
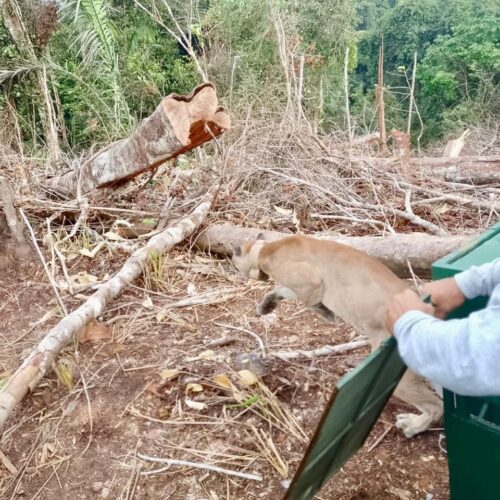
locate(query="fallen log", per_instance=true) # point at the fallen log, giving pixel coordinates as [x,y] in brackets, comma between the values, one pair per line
[469,176]
[36,365]
[420,250]
[179,124]
[463,161]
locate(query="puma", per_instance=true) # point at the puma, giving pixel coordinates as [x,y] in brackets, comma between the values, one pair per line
[336,280]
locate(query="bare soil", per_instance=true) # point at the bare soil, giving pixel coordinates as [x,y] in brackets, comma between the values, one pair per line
[78,436]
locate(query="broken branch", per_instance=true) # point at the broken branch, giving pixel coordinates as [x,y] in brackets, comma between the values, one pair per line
[39,361]
[194,465]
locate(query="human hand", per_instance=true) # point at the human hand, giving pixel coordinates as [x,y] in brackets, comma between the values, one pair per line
[403,303]
[445,296]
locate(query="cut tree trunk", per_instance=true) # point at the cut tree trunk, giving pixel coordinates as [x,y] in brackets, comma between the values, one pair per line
[40,360]
[420,250]
[20,249]
[179,124]
[454,147]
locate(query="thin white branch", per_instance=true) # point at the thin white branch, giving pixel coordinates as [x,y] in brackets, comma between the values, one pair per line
[45,267]
[195,465]
[321,351]
[244,330]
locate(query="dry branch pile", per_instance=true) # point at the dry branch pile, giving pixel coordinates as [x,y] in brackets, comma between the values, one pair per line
[285,178]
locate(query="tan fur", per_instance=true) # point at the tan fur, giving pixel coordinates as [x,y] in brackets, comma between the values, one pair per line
[334,279]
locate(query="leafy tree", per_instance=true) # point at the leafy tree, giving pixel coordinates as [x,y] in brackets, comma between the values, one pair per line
[460,72]
[407,28]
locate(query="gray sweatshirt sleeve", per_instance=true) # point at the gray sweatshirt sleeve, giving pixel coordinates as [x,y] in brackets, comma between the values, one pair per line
[479,280]
[462,355]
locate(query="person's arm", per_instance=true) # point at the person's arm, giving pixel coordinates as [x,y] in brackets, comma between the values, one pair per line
[479,280]
[462,355]
[449,293]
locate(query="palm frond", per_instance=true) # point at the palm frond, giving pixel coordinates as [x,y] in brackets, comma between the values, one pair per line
[94,32]
[96,13]
[8,74]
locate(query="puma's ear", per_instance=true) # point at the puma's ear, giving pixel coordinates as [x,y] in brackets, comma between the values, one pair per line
[261,236]
[236,249]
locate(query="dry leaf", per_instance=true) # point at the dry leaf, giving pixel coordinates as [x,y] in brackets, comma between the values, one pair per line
[195,405]
[161,316]
[91,253]
[208,355]
[247,377]
[122,223]
[110,235]
[443,209]
[169,374]
[154,389]
[94,331]
[283,211]
[147,303]
[191,289]
[399,493]
[48,451]
[222,380]
[83,278]
[194,388]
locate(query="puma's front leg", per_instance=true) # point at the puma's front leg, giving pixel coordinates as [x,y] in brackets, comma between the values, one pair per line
[271,300]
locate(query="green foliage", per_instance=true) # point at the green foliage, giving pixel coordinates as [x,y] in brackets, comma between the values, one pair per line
[460,73]
[110,62]
[457,46]
[369,13]
[243,45]
[407,28]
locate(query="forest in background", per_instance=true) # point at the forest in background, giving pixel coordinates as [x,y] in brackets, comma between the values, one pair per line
[107,64]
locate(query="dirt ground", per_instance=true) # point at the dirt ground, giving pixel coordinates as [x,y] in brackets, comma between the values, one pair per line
[147,388]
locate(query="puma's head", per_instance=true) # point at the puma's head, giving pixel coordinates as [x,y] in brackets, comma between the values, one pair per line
[245,258]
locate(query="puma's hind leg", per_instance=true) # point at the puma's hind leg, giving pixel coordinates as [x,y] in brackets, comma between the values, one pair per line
[414,390]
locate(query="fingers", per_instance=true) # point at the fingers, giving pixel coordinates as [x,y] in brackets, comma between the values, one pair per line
[403,303]
[445,296]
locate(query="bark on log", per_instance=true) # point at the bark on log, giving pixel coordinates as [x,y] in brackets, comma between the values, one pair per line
[7,199]
[463,161]
[419,249]
[472,176]
[179,124]
[39,361]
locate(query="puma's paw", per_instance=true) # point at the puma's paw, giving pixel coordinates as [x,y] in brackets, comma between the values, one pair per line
[265,307]
[412,424]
